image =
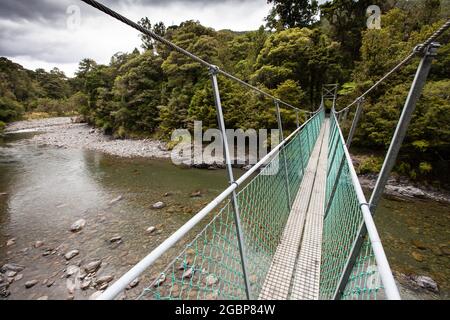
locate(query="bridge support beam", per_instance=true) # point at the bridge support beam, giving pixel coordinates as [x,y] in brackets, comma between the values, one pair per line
[234,200]
[400,132]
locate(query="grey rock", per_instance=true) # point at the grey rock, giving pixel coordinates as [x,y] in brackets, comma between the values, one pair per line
[12,267]
[30,283]
[133,283]
[78,225]
[4,290]
[18,277]
[211,279]
[92,266]
[85,284]
[71,270]
[11,274]
[188,273]
[38,244]
[104,279]
[196,194]
[426,283]
[150,229]
[43,298]
[115,239]
[102,286]
[72,253]
[159,280]
[158,205]
[71,285]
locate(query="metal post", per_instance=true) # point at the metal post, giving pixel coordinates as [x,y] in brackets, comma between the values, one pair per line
[389,162]
[240,236]
[296,116]
[355,122]
[283,152]
[402,126]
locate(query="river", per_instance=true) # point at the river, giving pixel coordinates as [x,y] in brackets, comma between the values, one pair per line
[43,190]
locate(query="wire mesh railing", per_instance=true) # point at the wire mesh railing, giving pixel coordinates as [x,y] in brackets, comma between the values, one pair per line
[343,219]
[209,267]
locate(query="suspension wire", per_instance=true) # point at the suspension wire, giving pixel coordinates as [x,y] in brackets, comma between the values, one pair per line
[173,46]
[419,49]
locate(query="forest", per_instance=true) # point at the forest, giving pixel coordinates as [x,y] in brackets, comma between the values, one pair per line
[150,91]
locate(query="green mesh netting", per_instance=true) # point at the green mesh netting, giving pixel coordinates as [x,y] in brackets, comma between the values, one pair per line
[340,230]
[210,267]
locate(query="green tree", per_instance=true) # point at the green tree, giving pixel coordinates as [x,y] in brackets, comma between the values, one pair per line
[292,13]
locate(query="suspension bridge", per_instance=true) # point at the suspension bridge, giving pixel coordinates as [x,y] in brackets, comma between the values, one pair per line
[297,225]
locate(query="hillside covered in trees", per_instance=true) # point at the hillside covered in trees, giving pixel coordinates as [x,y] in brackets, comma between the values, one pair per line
[152,91]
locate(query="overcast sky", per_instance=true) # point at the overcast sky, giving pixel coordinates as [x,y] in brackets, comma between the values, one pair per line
[46,33]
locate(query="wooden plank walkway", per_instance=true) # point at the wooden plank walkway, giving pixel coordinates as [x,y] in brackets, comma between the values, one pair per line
[295,270]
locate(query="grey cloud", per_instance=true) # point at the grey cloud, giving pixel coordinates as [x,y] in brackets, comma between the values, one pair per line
[49,10]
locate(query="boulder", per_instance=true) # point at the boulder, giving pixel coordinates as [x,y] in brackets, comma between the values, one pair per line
[427,283]
[104,279]
[133,283]
[78,225]
[30,284]
[72,253]
[92,266]
[12,267]
[158,205]
[116,238]
[150,229]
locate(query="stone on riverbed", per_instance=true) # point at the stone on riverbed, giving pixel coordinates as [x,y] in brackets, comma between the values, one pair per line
[85,284]
[30,283]
[151,229]
[158,281]
[43,298]
[12,267]
[188,273]
[196,194]
[211,279]
[38,244]
[10,242]
[417,256]
[71,270]
[78,225]
[11,274]
[115,239]
[158,205]
[116,199]
[133,284]
[72,253]
[92,266]
[104,279]
[426,283]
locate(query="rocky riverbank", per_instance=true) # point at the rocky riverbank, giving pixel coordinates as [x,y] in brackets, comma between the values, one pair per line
[404,189]
[66,132]
[63,132]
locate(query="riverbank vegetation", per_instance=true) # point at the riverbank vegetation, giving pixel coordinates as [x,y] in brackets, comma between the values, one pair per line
[152,91]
